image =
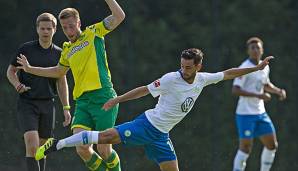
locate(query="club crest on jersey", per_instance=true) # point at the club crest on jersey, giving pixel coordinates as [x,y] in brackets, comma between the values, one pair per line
[187,104]
[127,133]
[156,83]
[77,48]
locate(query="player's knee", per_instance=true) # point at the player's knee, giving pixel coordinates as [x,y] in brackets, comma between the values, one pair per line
[109,136]
[246,148]
[169,166]
[272,146]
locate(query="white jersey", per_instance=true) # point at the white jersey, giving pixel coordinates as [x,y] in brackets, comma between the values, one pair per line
[176,97]
[253,82]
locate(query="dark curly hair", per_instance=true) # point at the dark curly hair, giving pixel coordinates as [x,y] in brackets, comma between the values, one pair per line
[193,53]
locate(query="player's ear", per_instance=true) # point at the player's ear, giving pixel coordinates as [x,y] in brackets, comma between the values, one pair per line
[199,67]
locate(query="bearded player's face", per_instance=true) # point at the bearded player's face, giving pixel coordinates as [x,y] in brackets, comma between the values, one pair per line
[189,69]
[71,28]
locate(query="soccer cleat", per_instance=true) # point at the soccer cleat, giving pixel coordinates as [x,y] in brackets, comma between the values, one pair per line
[45,149]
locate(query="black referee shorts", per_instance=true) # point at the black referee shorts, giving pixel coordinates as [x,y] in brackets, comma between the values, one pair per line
[36,115]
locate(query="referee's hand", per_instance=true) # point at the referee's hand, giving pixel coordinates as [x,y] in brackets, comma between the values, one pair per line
[24,64]
[21,88]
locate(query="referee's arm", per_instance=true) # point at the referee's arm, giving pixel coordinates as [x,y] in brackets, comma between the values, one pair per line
[12,75]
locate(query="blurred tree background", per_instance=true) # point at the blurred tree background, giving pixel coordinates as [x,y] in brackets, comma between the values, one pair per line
[146,46]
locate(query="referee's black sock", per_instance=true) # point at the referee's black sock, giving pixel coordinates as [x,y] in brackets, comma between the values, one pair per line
[32,164]
[42,164]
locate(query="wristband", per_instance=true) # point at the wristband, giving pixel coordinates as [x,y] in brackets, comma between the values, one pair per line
[67,107]
[19,87]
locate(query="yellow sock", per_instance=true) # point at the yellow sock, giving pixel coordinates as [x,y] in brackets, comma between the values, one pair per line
[96,163]
[113,162]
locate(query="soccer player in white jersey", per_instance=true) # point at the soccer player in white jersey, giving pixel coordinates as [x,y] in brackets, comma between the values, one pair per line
[251,117]
[177,93]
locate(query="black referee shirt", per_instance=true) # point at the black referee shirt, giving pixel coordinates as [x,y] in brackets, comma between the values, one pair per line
[41,87]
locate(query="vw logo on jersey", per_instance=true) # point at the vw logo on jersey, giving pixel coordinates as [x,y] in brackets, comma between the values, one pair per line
[187,104]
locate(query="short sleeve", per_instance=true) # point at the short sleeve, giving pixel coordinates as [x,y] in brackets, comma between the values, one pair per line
[99,29]
[239,81]
[13,60]
[160,86]
[213,78]
[267,79]
[64,58]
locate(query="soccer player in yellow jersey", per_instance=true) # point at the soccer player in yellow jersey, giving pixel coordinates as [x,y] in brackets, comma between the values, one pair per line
[85,55]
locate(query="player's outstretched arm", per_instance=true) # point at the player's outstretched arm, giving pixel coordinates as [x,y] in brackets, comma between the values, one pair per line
[54,72]
[118,15]
[236,72]
[133,94]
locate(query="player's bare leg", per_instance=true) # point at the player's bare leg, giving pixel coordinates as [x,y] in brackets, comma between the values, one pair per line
[84,151]
[104,150]
[169,166]
[31,139]
[31,142]
[109,136]
[88,155]
[245,145]
[269,141]
[109,156]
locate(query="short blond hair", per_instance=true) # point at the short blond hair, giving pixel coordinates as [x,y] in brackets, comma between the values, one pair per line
[46,17]
[69,12]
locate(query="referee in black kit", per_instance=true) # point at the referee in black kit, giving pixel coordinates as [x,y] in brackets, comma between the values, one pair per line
[35,106]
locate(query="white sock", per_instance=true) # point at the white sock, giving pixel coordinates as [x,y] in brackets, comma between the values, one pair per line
[267,159]
[240,161]
[81,138]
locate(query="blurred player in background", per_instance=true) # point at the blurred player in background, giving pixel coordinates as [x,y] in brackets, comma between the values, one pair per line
[85,55]
[177,93]
[35,106]
[251,117]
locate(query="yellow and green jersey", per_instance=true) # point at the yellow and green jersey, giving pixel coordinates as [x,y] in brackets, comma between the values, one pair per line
[88,60]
